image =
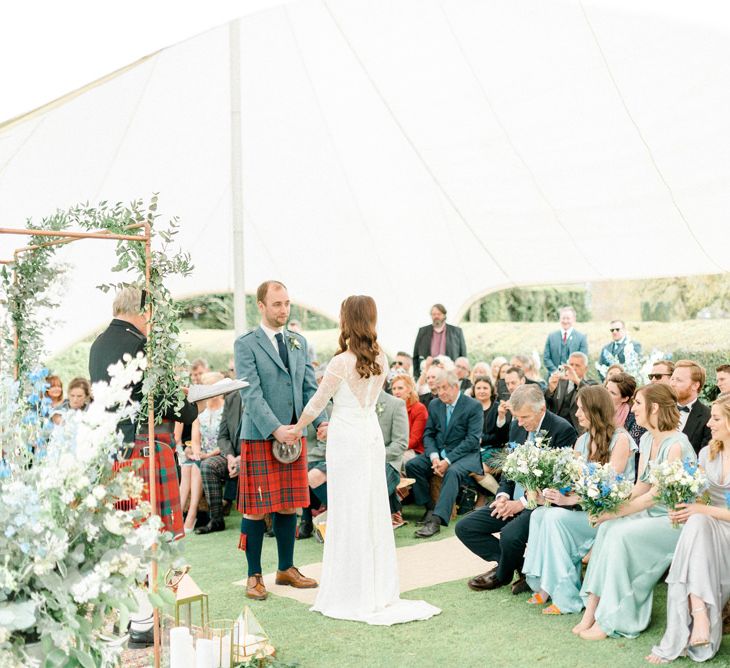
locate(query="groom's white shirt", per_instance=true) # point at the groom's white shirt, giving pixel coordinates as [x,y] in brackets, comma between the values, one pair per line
[271,333]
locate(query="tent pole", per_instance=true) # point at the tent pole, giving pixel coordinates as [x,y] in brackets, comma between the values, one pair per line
[239,288]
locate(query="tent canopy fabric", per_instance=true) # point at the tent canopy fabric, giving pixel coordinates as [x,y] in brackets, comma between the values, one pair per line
[421,151]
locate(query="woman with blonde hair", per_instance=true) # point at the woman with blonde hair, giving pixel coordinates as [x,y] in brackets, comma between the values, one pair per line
[359,567]
[404,387]
[699,579]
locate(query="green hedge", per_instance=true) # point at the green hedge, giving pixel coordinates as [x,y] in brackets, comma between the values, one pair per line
[532,305]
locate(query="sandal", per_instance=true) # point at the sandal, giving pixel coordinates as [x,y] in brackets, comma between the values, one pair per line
[704,641]
[552,609]
[537,599]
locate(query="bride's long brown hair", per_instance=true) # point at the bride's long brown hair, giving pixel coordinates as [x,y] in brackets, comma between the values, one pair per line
[358,315]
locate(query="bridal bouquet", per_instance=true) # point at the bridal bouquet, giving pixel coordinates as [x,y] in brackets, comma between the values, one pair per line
[601,489]
[677,482]
[69,558]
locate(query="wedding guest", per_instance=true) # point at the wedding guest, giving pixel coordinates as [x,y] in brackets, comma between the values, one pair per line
[514,377]
[79,394]
[698,580]
[495,366]
[634,545]
[203,444]
[404,387]
[296,326]
[54,392]
[432,376]
[438,338]
[463,373]
[688,379]
[489,446]
[393,420]
[622,387]
[197,369]
[508,513]
[451,443]
[561,535]
[620,348]
[563,386]
[661,372]
[527,364]
[723,378]
[561,343]
[502,371]
[430,363]
[614,368]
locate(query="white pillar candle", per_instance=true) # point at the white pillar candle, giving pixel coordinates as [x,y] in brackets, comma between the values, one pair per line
[179,652]
[226,652]
[204,653]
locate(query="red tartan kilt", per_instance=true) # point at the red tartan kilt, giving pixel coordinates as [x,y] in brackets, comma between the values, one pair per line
[168,488]
[265,485]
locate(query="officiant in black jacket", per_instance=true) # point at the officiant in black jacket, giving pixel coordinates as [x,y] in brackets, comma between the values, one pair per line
[508,513]
[438,338]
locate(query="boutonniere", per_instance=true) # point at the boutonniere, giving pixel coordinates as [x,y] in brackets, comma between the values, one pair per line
[379,408]
[294,342]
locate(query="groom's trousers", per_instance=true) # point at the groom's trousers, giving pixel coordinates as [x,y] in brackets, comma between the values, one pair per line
[475,531]
[456,475]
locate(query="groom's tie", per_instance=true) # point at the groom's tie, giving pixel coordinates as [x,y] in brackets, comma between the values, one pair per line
[283,352]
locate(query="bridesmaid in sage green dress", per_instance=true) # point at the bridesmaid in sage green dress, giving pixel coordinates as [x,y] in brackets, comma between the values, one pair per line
[561,535]
[699,580]
[635,545]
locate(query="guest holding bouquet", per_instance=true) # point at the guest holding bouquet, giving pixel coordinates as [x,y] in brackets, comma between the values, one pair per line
[561,535]
[699,580]
[635,544]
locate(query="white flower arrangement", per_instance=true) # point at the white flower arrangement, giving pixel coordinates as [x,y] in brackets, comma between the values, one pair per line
[678,481]
[530,464]
[601,489]
[70,557]
[294,343]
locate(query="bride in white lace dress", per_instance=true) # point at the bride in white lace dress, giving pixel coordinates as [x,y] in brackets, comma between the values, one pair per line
[359,571]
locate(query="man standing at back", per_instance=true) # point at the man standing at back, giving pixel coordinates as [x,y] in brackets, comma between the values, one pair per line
[275,363]
[563,342]
[438,338]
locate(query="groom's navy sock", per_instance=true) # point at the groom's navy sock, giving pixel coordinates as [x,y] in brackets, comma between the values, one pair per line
[285,526]
[252,540]
[321,493]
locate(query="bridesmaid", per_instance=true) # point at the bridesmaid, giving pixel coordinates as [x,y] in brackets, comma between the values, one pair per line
[699,580]
[561,535]
[635,545]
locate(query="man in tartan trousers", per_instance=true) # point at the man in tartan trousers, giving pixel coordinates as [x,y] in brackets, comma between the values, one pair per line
[280,382]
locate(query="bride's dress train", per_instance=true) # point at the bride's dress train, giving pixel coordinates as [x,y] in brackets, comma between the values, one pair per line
[359,571]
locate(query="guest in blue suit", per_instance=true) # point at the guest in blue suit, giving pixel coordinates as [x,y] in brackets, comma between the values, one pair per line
[563,342]
[451,444]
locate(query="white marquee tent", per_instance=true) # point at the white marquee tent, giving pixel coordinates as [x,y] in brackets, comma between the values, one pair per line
[414,150]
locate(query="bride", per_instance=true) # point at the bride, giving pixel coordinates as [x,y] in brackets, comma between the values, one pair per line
[359,570]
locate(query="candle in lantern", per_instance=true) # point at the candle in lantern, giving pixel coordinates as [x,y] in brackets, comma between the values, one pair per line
[182,654]
[204,654]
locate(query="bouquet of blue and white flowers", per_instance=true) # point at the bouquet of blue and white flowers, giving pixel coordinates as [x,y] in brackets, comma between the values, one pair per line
[567,466]
[532,465]
[678,481]
[601,489]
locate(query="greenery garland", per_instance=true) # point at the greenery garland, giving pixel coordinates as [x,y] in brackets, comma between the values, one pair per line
[35,274]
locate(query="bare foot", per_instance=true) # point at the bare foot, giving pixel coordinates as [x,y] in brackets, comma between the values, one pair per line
[583,625]
[593,633]
[700,628]
[653,658]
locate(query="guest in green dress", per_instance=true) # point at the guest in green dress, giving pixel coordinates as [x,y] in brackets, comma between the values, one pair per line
[699,580]
[635,545]
[561,535]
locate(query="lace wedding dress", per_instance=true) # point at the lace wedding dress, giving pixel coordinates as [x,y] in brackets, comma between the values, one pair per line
[359,571]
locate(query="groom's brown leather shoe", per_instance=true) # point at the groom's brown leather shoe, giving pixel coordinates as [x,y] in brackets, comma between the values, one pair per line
[486,581]
[255,588]
[292,577]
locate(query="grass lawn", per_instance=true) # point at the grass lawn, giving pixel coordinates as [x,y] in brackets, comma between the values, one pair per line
[474,629]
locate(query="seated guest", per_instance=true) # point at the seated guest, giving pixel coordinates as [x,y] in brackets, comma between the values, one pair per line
[508,513]
[514,377]
[404,361]
[463,373]
[55,393]
[451,442]
[661,372]
[438,338]
[203,445]
[495,366]
[484,393]
[698,579]
[563,342]
[527,364]
[393,419]
[634,545]
[404,387]
[440,362]
[559,538]
[687,381]
[79,394]
[622,387]
[432,376]
[216,471]
[479,369]
[563,386]
[621,347]
[723,378]
[197,369]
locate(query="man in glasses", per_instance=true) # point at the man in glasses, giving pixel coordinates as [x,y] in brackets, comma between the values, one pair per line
[620,348]
[661,372]
[404,361]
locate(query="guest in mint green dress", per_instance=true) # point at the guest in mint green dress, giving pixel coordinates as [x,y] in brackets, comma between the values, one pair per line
[699,580]
[561,536]
[635,545]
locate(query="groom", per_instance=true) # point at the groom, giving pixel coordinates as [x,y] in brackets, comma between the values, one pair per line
[280,382]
